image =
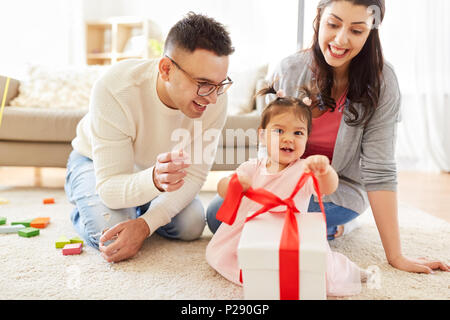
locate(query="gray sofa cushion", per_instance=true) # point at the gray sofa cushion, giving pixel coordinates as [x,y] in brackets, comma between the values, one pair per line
[53,125]
[35,124]
[34,154]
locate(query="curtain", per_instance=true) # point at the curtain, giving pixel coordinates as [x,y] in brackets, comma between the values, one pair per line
[416,40]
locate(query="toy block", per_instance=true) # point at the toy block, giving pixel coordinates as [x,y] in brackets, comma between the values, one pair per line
[2,220]
[4,201]
[12,229]
[61,242]
[28,232]
[48,201]
[76,240]
[25,222]
[40,223]
[73,248]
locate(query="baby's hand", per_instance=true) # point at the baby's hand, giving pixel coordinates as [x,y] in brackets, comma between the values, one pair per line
[245,181]
[318,164]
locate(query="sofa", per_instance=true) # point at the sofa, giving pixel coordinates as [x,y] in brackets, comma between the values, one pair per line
[31,135]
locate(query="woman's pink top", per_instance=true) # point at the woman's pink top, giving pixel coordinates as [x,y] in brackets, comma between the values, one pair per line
[324,132]
[343,276]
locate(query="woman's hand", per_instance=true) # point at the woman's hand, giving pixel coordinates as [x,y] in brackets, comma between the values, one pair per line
[421,265]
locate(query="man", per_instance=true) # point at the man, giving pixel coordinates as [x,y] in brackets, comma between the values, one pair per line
[128,176]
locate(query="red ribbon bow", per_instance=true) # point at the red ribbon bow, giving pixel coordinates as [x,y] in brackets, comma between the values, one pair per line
[290,241]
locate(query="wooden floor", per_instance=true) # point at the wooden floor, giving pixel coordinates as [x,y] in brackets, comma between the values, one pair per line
[427,191]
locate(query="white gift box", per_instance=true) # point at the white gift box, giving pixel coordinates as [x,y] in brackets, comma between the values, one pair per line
[258,256]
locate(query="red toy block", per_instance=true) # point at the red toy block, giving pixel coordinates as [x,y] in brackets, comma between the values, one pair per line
[40,223]
[48,201]
[73,248]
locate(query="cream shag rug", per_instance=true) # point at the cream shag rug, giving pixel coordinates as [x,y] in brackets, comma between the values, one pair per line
[32,268]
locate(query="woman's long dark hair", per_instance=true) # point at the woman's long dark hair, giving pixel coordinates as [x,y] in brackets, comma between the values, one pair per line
[365,69]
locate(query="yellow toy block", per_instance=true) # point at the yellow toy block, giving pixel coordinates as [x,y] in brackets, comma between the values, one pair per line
[61,242]
[76,240]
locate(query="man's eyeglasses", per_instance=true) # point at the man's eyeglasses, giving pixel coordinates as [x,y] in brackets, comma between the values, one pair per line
[206,88]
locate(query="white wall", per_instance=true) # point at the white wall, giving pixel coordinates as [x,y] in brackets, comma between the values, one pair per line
[261,30]
[44,31]
[52,31]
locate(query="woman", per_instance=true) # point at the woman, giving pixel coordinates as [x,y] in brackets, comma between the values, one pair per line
[355,125]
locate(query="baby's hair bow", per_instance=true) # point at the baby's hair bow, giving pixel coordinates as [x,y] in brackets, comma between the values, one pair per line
[307,101]
[281,93]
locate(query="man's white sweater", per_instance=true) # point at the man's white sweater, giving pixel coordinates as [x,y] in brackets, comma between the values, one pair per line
[128,126]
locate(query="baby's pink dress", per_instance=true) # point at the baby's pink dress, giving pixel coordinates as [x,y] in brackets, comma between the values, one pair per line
[343,276]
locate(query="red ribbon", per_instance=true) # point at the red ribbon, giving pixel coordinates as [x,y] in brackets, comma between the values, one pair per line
[290,241]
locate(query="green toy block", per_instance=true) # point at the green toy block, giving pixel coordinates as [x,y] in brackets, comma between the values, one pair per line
[28,232]
[25,222]
[76,240]
[61,242]
[2,220]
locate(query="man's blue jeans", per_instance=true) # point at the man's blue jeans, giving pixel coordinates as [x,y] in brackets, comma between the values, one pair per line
[91,217]
[335,215]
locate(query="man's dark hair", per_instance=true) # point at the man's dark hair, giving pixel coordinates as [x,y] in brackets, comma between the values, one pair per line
[197,31]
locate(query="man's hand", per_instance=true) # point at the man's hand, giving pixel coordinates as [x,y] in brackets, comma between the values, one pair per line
[317,164]
[168,172]
[129,235]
